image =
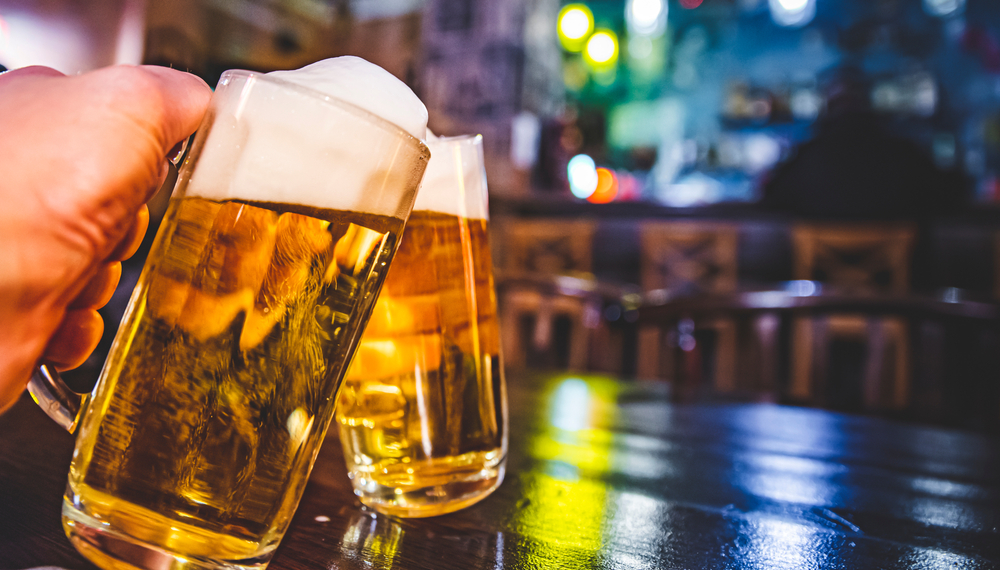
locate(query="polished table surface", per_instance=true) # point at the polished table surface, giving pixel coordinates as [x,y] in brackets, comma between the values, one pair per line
[612,475]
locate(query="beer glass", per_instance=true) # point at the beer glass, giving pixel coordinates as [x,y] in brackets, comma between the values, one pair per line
[195,445]
[422,413]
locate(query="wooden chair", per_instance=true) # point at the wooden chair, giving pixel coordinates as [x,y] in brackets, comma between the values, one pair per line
[856,259]
[686,258]
[533,252]
[551,246]
[955,339]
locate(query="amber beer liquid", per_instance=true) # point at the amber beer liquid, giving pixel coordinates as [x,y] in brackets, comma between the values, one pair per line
[209,428]
[422,413]
[199,439]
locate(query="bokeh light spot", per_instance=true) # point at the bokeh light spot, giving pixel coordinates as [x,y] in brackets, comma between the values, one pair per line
[792,13]
[793,5]
[582,174]
[602,48]
[607,187]
[942,8]
[575,22]
[646,17]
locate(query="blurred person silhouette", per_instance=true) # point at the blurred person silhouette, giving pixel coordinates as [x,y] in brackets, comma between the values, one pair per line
[853,169]
[80,156]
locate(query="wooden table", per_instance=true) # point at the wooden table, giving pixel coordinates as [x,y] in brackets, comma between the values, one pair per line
[812,297]
[611,475]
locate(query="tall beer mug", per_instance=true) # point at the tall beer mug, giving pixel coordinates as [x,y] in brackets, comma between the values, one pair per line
[197,441]
[423,410]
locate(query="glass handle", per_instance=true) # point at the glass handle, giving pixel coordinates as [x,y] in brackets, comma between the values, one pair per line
[180,150]
[55,398]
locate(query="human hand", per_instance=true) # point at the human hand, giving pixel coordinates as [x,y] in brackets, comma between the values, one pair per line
[79,158]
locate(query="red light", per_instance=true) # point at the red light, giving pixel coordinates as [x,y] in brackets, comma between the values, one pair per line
[628,187]
[690,4]
[607,187]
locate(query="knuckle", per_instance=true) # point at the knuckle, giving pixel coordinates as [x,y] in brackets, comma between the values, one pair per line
[132,90]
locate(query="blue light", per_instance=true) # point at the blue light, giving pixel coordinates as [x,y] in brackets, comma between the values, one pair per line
[571,405]
[793,5]
[582,174]
[792,13]
[943,8]
[646,17]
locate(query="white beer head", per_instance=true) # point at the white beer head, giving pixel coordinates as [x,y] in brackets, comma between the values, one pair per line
[322,136]
[455,180]
[365,85]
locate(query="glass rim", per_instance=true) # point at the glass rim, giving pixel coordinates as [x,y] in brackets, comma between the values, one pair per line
[327,99]
[457,139]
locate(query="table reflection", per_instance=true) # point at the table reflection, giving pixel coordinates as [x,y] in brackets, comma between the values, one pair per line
[611,475]
[373,538]
[564,499]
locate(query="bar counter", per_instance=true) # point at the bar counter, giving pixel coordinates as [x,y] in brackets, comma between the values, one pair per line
[609,474]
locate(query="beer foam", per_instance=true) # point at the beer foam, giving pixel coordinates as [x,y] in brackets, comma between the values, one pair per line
[455,180]
[366,85]
[270,140]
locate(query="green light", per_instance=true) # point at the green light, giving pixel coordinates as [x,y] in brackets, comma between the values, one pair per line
[575,22]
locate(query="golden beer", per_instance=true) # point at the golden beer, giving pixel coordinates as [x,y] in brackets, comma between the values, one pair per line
[422,410]
[196,445]
[239,327]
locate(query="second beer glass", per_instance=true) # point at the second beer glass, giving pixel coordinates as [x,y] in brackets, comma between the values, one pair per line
[422,413]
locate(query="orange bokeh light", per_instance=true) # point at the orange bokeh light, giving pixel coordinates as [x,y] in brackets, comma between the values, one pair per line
[607,187]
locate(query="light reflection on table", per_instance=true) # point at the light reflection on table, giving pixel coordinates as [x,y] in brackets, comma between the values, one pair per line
[611,475]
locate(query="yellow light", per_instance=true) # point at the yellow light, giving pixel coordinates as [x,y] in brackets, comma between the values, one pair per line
[602,49]
[566,490]
[575,22]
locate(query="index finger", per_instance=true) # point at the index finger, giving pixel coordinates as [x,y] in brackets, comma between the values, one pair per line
[187,98]
[168,103]
[31,70]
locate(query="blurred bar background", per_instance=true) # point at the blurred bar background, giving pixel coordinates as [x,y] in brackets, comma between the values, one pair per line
[654,164]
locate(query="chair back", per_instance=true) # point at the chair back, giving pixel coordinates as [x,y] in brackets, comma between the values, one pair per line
[548,246]
[544,325]
[688,256]
[856,258]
